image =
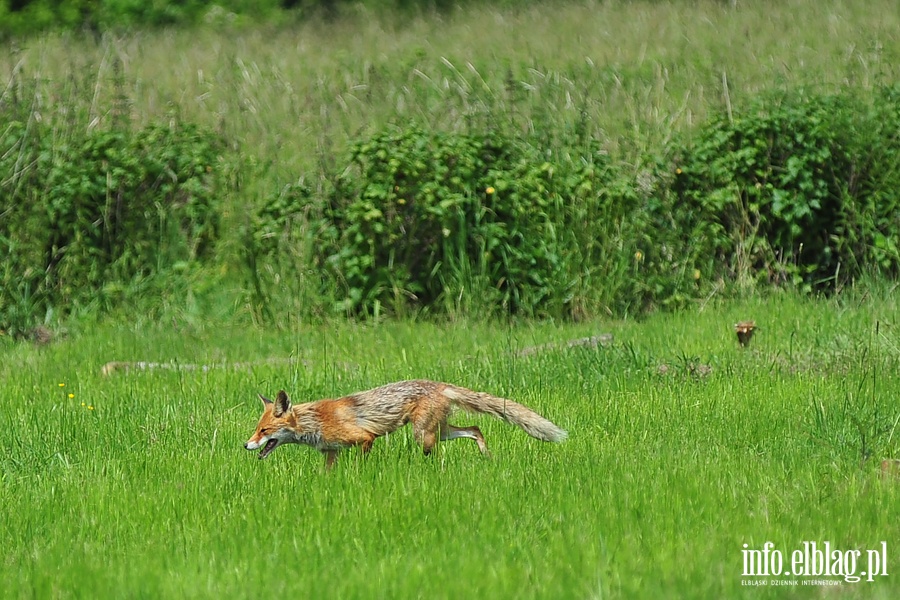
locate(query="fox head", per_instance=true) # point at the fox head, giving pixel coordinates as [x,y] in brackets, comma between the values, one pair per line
[273,427]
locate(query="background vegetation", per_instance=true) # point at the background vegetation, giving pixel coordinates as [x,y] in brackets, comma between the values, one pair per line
[592,159]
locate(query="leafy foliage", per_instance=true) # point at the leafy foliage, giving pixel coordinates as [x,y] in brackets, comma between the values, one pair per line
[418,217]
[92,220]
[482,214]
[798,190]
[803,187]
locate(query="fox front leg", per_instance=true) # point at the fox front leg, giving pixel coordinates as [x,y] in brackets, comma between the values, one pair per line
[330,457]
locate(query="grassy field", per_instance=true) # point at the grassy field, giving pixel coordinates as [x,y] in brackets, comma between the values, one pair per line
[683,448]
[636,72]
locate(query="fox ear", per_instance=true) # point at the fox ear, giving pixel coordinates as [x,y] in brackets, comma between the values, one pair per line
[264,399]
[282,404]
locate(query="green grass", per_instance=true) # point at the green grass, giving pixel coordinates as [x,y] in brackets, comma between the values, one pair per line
[638,72]
[664,478]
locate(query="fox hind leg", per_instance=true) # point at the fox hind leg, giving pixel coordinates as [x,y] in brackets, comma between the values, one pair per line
[449,432]
[428,437]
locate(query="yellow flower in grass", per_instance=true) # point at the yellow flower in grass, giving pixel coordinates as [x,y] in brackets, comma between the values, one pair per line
[71,395]
[490,190]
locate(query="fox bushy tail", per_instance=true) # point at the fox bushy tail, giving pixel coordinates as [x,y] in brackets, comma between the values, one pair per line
[508,410]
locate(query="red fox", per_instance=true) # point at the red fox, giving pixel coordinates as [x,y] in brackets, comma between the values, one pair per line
[360,418]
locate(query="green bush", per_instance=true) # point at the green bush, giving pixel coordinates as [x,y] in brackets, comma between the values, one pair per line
[798,187]
[93,219]
[484,224]
[421,218]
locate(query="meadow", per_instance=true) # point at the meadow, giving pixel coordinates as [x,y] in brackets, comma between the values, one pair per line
[637,72]
[683,447]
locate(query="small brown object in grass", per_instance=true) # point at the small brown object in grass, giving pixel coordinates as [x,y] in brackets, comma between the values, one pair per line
[744,330]
[41,335]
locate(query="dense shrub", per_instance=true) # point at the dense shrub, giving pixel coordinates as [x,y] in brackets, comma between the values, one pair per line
[92,219]
[802,190]
[804,187]
[419,215]
[474,223]
[798,189]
